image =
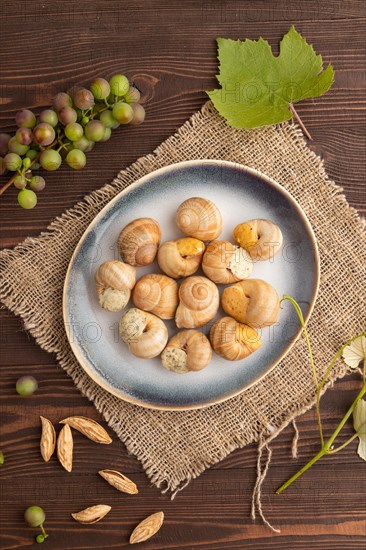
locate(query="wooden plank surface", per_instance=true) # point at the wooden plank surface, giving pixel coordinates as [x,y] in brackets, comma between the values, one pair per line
[168,48]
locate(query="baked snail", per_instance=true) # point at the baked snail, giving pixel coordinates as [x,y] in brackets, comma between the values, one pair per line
[188,350]
[180,258]
[198,302]
[114,281]
[199,218]
[157,294]
[252,301]
[145,334]
[226,263]
[233,340]
[139,241]
[262,239]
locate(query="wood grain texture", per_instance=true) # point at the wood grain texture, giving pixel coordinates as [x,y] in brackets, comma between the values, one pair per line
[168,48]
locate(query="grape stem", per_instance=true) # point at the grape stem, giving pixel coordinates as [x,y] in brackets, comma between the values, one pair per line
[297,117]
[43,531]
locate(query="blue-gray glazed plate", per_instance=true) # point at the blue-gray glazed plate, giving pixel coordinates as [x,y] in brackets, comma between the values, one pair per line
[241,194]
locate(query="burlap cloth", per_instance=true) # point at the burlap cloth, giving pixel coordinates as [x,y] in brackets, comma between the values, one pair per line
[175,447]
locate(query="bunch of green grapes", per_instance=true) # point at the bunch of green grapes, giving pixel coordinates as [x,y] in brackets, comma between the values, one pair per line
[66,132]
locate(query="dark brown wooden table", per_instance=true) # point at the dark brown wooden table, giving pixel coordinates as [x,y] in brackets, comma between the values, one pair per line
[168,48]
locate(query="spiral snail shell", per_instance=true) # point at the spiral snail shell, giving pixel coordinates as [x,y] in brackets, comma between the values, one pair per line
[198,302]
[157,294]
[114,281]
[262,239]
[226,263]
[180,258]
[188,350]
[252,301]
[139,241]
[233,340]
[145,334]
[199,218]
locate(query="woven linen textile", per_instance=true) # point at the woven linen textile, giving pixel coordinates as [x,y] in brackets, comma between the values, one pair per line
[175,447]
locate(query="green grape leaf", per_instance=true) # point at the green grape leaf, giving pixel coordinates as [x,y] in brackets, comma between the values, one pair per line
[359,424]
[259,89]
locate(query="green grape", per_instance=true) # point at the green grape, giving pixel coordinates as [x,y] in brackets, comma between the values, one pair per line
[115,125]
[107,134]
[20,182]
[26,162]
[34,516]
[3,168]
[83,99]
[123,112]
[37,183]
[94,130]
[67,115]
[138,114]
[31,154]
[36,166]
[50,160]
[49,116]
[24,136]
[25,119]
[82,144]
[107,118]
[119,85]
[27,199]
[85,120]
[13,162]
[16,147]
[100,88]
[76,159]
[61,100]
[74,131]
[44,134]
[90,146]
[133,95]
[40,538]
[4,140]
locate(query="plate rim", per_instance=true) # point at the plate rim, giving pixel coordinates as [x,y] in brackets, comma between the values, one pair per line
[83,362]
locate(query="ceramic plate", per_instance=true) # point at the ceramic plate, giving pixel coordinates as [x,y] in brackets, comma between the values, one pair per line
[241,194]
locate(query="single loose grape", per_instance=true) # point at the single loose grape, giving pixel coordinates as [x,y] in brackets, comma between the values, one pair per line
[67,115]
[74,131]
[61,100]
[25,119]
[76,159]
[100,88]
[44,134]
[49,116]
[133,95]
[94,130]
[27,199]
[31,154]
[20,182]
[16,147]
[3,168]
[50,160]
[107,134]
[34,516]
[4,140]
[138,114]
[107,118]
[83,99]
[2,458]
[123,112]
[119,85]
[24,136]
[26,385]
[82,143]
[13,162]
[37,183]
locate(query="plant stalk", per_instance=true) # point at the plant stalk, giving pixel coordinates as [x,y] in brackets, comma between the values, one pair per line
[302,125]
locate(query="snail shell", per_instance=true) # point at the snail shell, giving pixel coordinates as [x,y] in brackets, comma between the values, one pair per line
[145,334]
[262,239]
[180,258]
[114,281]
[199,218]
[198,302]
[226,263]
[157,294]
[253,302]
[188,350]
[139,241]
[233,340]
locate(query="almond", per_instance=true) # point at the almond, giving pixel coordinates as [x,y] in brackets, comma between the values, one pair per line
[92,514]
[89,428]
[48,439]
[65,447]
[119,481]
[147,528]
